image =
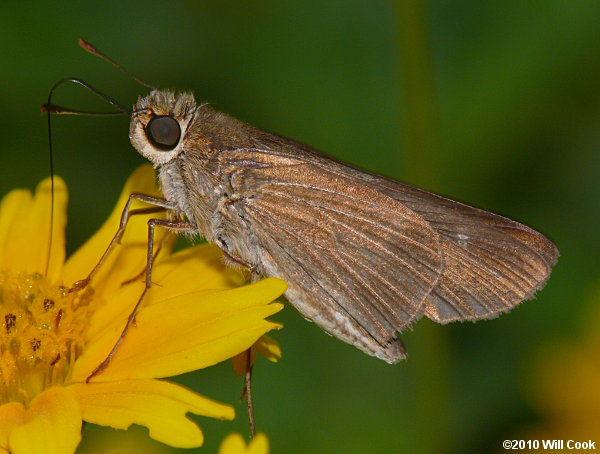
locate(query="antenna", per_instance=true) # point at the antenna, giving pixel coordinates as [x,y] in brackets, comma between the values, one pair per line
[50,109]
[89,47]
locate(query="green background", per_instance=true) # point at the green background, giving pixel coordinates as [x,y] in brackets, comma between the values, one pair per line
[490,103]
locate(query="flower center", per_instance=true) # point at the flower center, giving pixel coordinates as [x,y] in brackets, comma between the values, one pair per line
[41,333]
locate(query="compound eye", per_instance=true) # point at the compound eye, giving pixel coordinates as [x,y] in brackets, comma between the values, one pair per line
[164,132]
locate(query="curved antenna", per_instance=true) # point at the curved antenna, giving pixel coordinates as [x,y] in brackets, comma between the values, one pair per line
[50,108]
[89,47]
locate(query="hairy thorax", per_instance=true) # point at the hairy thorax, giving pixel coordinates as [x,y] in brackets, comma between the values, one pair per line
[211,203]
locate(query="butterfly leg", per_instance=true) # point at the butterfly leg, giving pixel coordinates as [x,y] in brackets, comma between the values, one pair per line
[226,214]
[253,268]
[175,226]
[247,390]
[159,205]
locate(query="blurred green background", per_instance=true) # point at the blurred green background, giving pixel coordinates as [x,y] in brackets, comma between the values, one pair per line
[490,103]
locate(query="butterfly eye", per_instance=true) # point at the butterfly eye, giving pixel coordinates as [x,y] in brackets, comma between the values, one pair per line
[164,132]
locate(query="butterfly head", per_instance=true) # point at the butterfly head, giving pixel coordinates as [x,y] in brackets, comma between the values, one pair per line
[159,124]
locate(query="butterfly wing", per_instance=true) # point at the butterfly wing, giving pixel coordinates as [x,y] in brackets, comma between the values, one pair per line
[491,263]
[365,256]
[358,263]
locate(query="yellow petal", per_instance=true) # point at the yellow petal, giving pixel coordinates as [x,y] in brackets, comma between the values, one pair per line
[269,348]
[190,270]
[235,444]
[185,333]
[265,345]
[128,258]
[260,445]
[52,425]
[114,311]
[158,405]
[12,414]
[14,206]
[25,230]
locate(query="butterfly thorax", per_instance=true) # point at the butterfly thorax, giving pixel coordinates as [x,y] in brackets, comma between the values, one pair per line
[190,174]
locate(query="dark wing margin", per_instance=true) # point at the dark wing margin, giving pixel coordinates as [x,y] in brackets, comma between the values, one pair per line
[491,263]
[358,263]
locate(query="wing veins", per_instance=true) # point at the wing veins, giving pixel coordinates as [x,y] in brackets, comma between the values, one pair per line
[380,247]
[503,268]
[407,238]
[377,295]
[457,301]
[492,287]
[333,298]
[348,290]
[329,191]
[335,279]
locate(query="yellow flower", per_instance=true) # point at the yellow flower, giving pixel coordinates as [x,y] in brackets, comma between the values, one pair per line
[234,444]
[196,315]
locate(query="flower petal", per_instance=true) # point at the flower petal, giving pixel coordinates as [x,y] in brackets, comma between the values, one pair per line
[52,425]
[185,333]
[190,270]
[235,444]
[260,445]
[127,259]
[269,348]
[197,268]
[12,414]
[158,405]
[25,229]
[14,206]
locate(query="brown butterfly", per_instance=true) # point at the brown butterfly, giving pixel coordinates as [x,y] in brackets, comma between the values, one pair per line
[364,256]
